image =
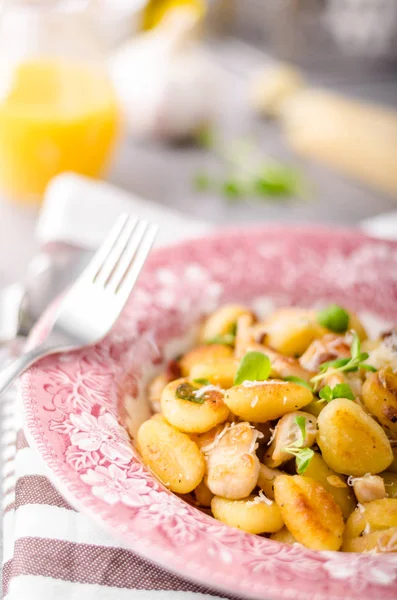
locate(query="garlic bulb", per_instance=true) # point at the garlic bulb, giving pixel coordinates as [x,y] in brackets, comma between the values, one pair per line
[165,83]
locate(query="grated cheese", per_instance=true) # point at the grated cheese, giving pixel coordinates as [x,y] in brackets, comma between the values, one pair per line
[249,384]
[261,498]
[273,432]
[367,529]
[254,401]
[360,507]
[218,437]
[207,388]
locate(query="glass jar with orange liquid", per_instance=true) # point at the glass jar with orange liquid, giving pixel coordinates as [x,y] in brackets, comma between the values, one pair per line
[58,111]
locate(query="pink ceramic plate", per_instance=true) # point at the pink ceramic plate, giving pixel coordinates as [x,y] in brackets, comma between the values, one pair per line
[74,407]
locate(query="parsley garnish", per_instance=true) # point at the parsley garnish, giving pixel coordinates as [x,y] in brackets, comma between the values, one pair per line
[334,317]
[344,365]
[299,381]
[302,455]
[254,366]
[341,390]
[185,391]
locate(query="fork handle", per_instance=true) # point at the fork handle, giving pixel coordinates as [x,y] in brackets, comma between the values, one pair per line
[10,373]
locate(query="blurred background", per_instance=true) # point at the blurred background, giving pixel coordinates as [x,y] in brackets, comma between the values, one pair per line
[232,111]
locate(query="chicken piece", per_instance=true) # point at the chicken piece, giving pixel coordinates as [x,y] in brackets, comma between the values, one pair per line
[288,433]
[329,347]
[368,488]
[232,465]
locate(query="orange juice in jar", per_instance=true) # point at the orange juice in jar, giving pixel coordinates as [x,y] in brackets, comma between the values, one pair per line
[57,110]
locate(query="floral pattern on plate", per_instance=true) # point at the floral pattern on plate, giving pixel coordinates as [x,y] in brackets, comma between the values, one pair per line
[75,406]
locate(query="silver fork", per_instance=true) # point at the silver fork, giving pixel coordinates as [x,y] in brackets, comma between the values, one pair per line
[94,302]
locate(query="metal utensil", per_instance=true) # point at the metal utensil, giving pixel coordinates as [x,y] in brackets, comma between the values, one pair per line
[94,302]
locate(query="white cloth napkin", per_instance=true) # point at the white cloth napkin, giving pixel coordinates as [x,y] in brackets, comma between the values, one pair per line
[78,210]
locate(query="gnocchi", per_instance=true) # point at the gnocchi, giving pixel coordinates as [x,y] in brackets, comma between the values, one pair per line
[310,513]
[351,441]
[171,455]
[202,412]
[372,527]
[281,428]
[263,401]
[250,514]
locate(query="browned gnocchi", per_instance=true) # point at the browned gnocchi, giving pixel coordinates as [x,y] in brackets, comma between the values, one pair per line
[282,427]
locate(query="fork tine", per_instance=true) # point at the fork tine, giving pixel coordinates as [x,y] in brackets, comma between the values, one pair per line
[112,259]
[134,267]
[127,256]
[93,267]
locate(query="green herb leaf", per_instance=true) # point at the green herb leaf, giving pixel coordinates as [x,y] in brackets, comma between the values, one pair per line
[202,381]
[335,364]
[301,422]
[334,317]
[201,182]
[254,366]
[342,390]
[368,368]
[326,393]
[227,340]
[277,180]
[205,137]
[344,365]
[299,381]
[232,189]
[185,391]
[303,459]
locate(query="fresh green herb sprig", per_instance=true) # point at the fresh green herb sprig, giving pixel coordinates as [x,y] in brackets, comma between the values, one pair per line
[247,174]
[334,317]
[254,366]
[303,455]
[299,381]
[345,365]
[341,390]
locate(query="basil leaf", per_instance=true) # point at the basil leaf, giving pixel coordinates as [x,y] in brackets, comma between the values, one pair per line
[342,390]
[368,368]
[254,366]
[299,381]
[339,362]
[202,381]
[301,422]
[334,317]
[326,393]
[185,391]
[303,459]
[227,340]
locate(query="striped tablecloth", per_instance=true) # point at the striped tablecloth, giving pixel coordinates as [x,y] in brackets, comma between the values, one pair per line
[53,552]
